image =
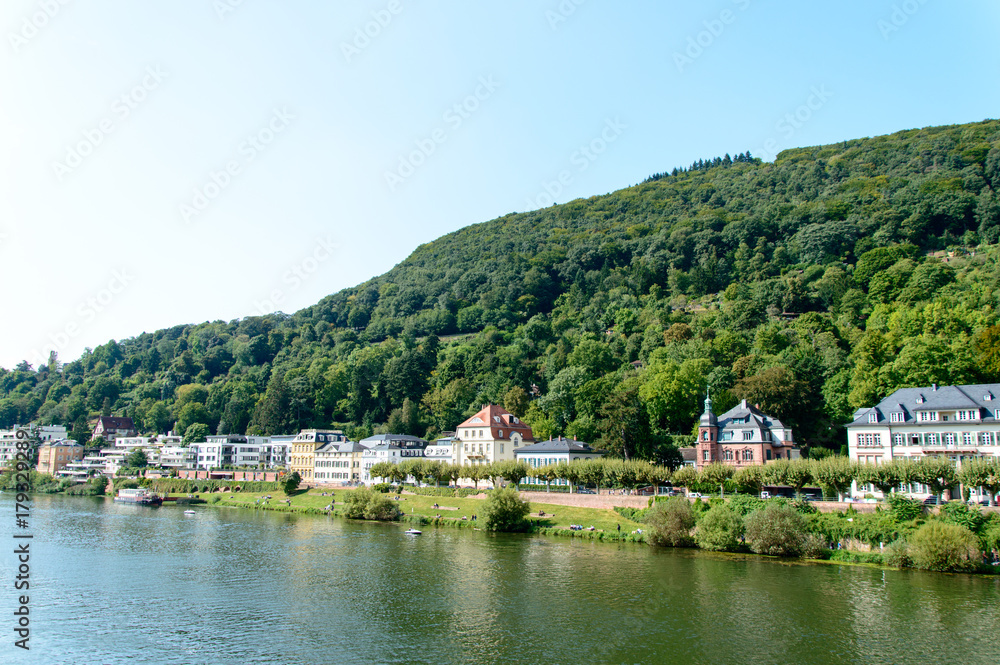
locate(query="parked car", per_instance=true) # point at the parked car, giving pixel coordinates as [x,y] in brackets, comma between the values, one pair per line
[584,490]
[765,495]
[694,495]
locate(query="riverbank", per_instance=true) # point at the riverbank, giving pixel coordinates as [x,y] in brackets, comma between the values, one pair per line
[455,512]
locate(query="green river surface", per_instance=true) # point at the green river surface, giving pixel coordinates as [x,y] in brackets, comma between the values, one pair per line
[114,583]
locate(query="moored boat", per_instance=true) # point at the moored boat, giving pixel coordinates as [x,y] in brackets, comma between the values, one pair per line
[412,532]
[140,496]
[189,512]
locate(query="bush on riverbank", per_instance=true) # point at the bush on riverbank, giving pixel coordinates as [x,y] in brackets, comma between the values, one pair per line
[944,547]
[93,487]
[670,523]
[364,504]
[504,510]
[778,530]
[719,529]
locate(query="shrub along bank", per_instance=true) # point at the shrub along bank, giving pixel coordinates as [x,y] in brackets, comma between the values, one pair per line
[902,535]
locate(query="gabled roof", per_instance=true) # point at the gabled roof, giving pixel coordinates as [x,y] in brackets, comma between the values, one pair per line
[498,420]
[115,422]
[933,398]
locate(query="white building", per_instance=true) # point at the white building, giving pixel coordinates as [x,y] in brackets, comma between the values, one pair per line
[389,448]
[442,450]
[339,462]
[555,451]
[955,422]
[490,435]
[34,434]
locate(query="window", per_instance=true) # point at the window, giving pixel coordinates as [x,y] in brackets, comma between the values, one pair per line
[897,439]
[747,455]
[924,417]
[932,439]
[768,454]
[704,455]
[501,434]
[704,436]
[727,454]
[967,438]
[949,439]
[896,417]
[873,417]
[748,435]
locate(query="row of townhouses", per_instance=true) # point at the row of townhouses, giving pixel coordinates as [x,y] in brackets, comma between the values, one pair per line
[959,423]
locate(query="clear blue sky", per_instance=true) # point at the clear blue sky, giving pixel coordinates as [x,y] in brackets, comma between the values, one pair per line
[114,113]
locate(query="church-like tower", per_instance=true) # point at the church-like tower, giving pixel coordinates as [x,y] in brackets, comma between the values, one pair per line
[707,448]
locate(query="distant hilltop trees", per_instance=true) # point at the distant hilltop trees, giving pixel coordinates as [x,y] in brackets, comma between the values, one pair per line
[705,164]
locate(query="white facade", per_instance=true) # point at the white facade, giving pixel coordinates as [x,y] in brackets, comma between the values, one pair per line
[554,451]
[955,422]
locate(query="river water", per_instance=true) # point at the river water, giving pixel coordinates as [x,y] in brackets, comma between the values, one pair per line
[125,584]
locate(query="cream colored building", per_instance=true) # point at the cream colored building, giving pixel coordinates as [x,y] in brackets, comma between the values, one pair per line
[54,455]
[302,457]
[490,436]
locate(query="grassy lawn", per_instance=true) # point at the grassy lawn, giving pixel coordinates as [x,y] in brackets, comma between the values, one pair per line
[556,516]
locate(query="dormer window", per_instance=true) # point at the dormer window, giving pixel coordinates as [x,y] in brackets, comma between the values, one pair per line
[920,399]
[501,434]
[988,397]
[873,417]
[896,417]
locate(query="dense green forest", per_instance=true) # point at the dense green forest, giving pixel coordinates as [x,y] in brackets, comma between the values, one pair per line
[811,286]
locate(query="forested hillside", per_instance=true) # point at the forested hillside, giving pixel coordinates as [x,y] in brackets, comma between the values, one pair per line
[811,286]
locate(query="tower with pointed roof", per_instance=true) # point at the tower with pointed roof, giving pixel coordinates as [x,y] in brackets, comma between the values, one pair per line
[708,436]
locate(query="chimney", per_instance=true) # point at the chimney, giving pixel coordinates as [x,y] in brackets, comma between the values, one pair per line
[934,387]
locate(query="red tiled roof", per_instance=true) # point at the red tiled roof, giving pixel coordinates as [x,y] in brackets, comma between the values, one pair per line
[497,418]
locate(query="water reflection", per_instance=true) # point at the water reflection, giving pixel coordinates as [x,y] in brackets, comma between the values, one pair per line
[123,584]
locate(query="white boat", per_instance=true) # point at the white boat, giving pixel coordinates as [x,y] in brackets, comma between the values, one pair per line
[140,496]
[412,532]
[189,512]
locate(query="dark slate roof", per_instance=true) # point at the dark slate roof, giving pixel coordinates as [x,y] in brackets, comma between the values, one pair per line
[751,417]
[115,422]
[350,447]
[559,445]
[908,401]
[394,439]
